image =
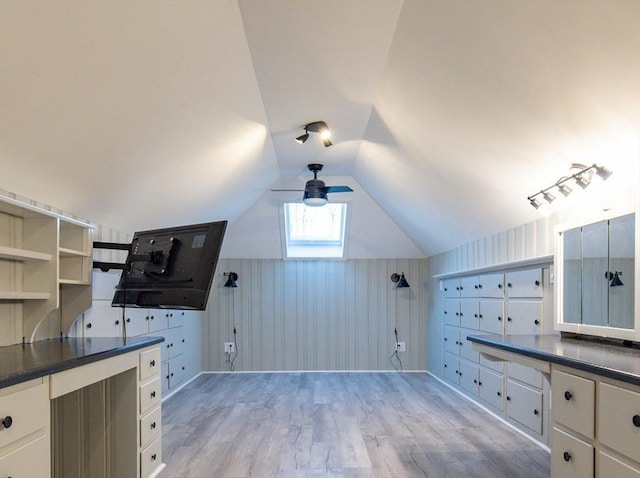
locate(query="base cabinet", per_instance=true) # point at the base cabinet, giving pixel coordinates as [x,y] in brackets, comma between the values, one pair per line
[596,426]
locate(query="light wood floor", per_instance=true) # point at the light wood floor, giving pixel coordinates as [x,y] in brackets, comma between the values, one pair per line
[337,425]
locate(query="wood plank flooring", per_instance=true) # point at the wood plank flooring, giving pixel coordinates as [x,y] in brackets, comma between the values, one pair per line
[347,425]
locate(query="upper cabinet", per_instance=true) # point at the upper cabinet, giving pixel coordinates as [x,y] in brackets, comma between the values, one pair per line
[596,266]
[45,266]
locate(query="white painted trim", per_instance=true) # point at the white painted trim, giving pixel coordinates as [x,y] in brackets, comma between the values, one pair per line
[546,259]
[311,371]
[174,391]
[493,414]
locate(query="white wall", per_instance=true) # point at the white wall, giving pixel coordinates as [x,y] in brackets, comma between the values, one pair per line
[318,315]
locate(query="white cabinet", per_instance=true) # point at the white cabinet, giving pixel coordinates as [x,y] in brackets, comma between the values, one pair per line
[491,388]
[491,285]
[524,283]
[525,405]
[524,318]
[595,420]
[150,414]
[491,316]
[45,261]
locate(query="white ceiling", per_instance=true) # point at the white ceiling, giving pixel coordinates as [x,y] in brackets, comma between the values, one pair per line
[145,114]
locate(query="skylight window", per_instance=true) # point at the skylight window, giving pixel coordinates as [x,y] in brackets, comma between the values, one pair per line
[315,232]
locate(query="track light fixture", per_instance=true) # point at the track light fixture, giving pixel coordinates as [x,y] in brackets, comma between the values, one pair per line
[316,127]
[399,280]
[582,178]
[232,278]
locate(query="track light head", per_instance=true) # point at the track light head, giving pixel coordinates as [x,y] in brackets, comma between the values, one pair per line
[316,127]
[535,203]
[548,197]
[603,172]
[564,189]
[583,180]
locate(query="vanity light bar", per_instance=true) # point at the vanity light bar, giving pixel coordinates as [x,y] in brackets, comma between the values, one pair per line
[582,178]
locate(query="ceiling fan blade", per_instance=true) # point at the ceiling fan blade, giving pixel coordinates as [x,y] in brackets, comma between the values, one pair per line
[338,189]
[288,190]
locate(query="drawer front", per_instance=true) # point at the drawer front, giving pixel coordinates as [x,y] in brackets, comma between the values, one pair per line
[157,321]
[25,410]
[611,466]
[174,342]
[150,458]
[31,460]
[150,427]
[491,389]
[102,320]
[618,409]
[469,313]
[524,283]
[451,287]
[570,457]
[469,286]
[452,312]
[136,321]
[524,318]
[492,316]
[496,365]
[149,363]
[573,402]
[524,405]
[150,395]
[525,374]
[176,318]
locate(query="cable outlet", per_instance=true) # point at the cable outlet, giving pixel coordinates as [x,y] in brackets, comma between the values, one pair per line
[229,347]
[401,347]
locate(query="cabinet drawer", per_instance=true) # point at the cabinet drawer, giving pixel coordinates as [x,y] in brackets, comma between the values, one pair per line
[469,286]
[30,460]
[25,407]
[136,322]
[491,316]
[452,340]
[177,371]
[524,405]
[570,457]
[150,427]
[466,347]
[618,409]
[452,312]
[469,377]
[524,318]
[491,389]
[611,466]
[150,395]
[451,287]
[149,363]
[525,374]
[469,313]
[573,402]
[150,458]
[451,368]
[491,285]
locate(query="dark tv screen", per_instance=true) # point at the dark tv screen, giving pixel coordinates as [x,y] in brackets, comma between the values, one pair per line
[171,268]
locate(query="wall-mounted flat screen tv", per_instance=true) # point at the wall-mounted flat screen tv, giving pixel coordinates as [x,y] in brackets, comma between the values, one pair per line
[171,268]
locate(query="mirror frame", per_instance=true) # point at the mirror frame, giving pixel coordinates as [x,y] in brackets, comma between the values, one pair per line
[596,330]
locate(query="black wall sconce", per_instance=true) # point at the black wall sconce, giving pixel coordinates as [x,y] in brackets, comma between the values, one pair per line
[614,277]
[399,280]
[232,278]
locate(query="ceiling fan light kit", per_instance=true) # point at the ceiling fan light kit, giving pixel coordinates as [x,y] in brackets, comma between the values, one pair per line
[319,127]
[315,190]
[582,178]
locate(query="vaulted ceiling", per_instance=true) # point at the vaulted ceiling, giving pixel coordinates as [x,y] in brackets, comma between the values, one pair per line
[448,114]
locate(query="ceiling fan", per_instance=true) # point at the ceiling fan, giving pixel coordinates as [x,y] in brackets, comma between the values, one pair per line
[315,190]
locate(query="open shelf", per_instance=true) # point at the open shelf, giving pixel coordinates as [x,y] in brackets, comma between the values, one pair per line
[23,254]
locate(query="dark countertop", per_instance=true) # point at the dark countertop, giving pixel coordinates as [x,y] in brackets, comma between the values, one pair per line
[19,363]
[609,360]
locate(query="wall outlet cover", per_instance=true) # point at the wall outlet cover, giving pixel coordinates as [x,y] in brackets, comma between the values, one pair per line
[229,347]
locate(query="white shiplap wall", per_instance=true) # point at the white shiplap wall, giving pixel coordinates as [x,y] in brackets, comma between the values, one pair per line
[317,315]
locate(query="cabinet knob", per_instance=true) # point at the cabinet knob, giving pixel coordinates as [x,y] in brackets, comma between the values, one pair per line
[479,316]
[480,383]
[509,285]
[154,457]
[475,381]
[508,398]
[7,421]
[535,412]
[117,322]
[636,421]
[508,319]
[153,394]
[479,286]
[475,286]
[537,322]
[152,363]
[537,282]
[567,456]
[499,286]
[567,395]
[153,426]
[499,318]
[89,325]
[499,394]
[128,319]
[445,339]
[445,365]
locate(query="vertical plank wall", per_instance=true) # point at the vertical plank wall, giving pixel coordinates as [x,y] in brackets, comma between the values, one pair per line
[317,315]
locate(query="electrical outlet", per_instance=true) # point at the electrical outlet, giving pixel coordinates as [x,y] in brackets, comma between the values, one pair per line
[401,347]
[229,347]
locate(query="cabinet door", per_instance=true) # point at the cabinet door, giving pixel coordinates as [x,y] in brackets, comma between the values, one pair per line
[622,261]
[469,313]
[157,321]
[491,285]
[524,405]
[468,373]
[491,388]
[611,466]
[573,402]
[469,286]
[102,320]
[524,374]
[175,340]
[452,340]
[451,287]
[466,348]
[177,371]
[452,312]
[451,368]
[136,322]
[524,283]
[164,378]
[176,318]
[619,420]
[30,460]
[570,456]
[491,316]
[524,318]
